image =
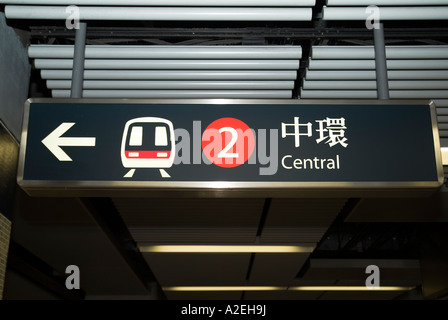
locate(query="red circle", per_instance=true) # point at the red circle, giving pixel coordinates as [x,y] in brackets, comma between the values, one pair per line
[228,142]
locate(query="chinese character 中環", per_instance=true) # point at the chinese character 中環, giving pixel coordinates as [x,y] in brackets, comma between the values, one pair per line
[332,130]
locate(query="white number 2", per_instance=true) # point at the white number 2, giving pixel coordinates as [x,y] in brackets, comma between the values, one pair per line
[224,153]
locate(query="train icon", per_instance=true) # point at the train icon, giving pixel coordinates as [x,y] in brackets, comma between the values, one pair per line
[148,142]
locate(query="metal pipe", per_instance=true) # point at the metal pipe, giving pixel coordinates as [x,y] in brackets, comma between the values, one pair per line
[338,85]
[370,75]
[418,85]
[417,64]
[178,85]
[371,85]
[419,94]
[366,3]
[370,64]
[368,52]
[341,64]
[168,52]
[442,103]
[382,82]
[339,75]
[174,74]
[372,94]
[345,52]
[171,64]
[338,94]
[162,13]
[180,94]
[78,61]
[386,13]
[194,3]
[418,74]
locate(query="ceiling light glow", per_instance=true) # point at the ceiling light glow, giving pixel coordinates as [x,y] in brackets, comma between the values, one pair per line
[279,288]
[225,288]
[226,249]
[349,288]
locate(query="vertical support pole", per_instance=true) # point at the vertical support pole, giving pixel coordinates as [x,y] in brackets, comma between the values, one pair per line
[382,80]
[78,61]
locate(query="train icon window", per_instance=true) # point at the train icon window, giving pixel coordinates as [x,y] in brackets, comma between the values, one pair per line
[148,142]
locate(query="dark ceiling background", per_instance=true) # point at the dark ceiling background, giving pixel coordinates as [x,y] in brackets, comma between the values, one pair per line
[405,236]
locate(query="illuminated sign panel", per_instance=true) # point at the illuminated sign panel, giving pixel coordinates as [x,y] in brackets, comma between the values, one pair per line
[109,145]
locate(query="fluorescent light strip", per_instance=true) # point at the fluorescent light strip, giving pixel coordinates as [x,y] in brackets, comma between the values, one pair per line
[349,288]
[274,288]
[226,249]
[227,288]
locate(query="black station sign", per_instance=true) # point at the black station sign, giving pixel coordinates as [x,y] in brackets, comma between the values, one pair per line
[81,146]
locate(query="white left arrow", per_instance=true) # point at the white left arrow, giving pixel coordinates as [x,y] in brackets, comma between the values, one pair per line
[54,141]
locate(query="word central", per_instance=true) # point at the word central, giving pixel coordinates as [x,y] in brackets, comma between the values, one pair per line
[303,164]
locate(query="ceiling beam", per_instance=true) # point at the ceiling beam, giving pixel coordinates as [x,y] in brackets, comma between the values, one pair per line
[109,220]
